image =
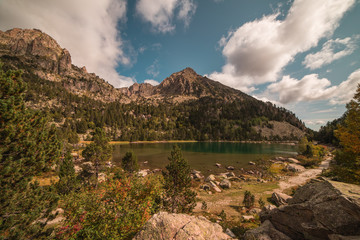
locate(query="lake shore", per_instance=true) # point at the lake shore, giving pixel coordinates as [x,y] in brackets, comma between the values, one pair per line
[292,143]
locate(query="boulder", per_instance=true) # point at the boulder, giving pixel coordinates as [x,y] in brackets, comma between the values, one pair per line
[230,168]
[215,187]
[211,177]
[294,167]
[206,187]
[293,160]
[280,198]
[164,226]
[225,184]
[321,209]
[223,175]
[196,175]
[144,172]
[247,217]
[102,177]
[230,174]
[265,232]
[230,233]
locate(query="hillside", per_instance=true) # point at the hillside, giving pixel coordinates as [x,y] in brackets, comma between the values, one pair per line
[183,106]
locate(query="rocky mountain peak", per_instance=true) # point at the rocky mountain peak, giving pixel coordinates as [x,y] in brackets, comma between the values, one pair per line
[31,43]
[39,54]
[185,82]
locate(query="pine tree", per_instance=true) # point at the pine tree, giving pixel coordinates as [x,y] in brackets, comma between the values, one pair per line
[28,146]
[99,151]
[129,162]
[67,178]
[178,196]
[349,132]
[249,199]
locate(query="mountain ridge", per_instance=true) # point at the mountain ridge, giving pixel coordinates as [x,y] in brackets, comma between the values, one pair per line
[184,105]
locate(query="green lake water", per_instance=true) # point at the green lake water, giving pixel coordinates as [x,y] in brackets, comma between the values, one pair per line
[202,156]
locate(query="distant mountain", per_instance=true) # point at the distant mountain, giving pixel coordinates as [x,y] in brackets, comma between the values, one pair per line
[183,106]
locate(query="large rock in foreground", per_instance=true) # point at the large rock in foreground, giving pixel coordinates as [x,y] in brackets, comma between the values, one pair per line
[321,209]
[166,226]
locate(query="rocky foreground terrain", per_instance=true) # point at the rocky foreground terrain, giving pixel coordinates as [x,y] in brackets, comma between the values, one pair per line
[321,209]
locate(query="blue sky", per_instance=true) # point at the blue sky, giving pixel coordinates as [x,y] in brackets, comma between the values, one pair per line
[300,54]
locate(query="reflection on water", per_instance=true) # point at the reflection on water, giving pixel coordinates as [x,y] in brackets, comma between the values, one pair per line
[203,155]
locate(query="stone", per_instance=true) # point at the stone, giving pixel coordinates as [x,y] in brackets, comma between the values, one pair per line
[255,211]
[230,168]
[223,175]
[268,208]
[225,184]
[211,177]
[265,232]
[280,198]
[144,172]
[218,165]
[102,177]
[165,226]
[321,209]
[206,187]
[230,174]
[252,163]
[280,159]
[247,217]
[196,175]
[215,187]
[294,167]
[230,233]
[293,160]
[78,169]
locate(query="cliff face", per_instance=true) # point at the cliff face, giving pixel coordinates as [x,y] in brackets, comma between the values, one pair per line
[39,54]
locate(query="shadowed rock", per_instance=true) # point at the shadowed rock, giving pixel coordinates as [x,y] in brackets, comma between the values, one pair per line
[321,209]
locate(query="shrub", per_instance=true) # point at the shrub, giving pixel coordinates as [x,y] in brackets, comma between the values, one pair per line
[117,209]
[249,199]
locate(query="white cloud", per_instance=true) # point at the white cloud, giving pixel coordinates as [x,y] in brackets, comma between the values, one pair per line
[347,89]
[330,52]
[257,51]
[311,87]
[152,82]
[153,69]
[160,13]
[87,28]
[316,121]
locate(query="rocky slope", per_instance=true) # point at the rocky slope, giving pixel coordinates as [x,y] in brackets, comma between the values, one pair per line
[188,105]
[321,209]
[39,54]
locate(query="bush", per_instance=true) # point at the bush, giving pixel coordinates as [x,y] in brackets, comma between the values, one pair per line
[249,199]
[129,162]
[117,209]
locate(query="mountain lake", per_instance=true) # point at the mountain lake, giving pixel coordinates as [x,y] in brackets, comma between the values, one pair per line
[203,156]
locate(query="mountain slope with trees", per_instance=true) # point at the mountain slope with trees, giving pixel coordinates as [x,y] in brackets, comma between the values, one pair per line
[184,106]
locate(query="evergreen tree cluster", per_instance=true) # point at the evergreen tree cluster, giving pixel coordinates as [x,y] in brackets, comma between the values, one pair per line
[203,119]
[28,147]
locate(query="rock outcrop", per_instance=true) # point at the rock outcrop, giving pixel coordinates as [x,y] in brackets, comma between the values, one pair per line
[166,226]
[321,209]
[41,56]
